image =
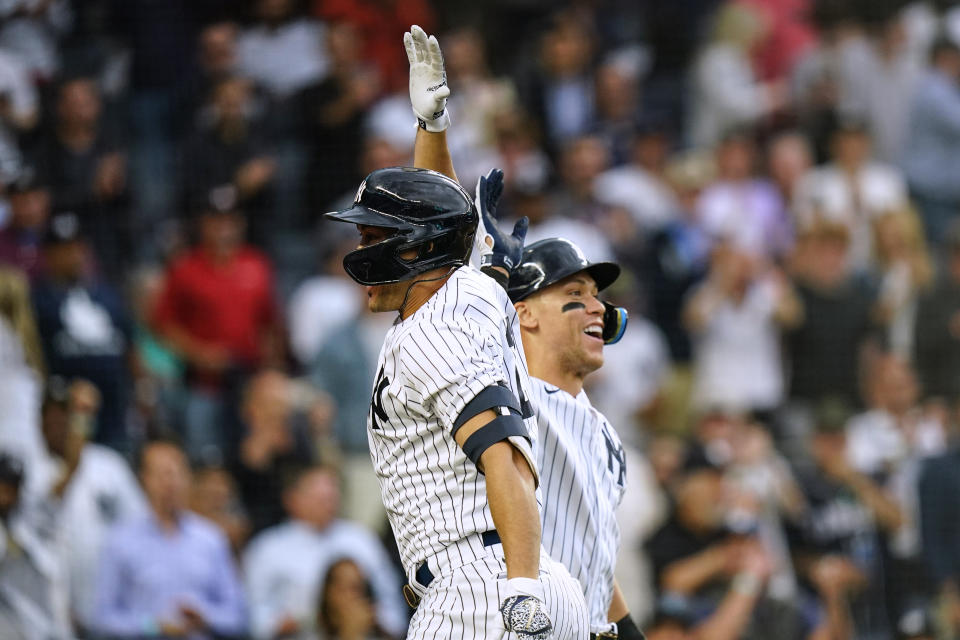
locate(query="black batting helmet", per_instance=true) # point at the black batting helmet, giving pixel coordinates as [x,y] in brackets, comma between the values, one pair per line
[428,211]
[549,261]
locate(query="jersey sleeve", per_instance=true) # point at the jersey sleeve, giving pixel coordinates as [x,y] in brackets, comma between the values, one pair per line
[447,365]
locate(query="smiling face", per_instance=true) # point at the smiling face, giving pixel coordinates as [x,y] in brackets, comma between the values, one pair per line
[566,319]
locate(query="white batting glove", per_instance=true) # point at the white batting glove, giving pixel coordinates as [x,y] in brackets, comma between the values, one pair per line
[523,610]
[428,80]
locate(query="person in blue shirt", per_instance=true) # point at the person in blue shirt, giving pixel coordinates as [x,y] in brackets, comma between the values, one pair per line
[171,572]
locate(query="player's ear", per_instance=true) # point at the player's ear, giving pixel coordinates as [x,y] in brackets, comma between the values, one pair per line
[526,315]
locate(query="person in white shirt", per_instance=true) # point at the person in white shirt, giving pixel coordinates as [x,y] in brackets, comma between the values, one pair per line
[285,564]
[281,52]
[95,486]
[850,189]
[735,318]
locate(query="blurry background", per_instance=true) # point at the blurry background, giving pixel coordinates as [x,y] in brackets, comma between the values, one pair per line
[185,370]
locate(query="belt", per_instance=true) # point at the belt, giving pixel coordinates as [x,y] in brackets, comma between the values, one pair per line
[424,576]
[604,635]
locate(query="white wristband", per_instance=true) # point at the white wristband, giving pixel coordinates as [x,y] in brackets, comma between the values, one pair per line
[525,587]
[436,125]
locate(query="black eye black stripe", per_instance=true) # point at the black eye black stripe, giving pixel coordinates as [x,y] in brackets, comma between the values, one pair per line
[570,306]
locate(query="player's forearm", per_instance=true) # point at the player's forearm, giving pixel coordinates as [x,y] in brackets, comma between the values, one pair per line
[430,152]
[513,504]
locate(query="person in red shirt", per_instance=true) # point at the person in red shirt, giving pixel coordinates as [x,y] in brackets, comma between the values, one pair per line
[219,313]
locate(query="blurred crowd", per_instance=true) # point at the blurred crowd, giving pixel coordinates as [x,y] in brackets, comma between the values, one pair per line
[185,370]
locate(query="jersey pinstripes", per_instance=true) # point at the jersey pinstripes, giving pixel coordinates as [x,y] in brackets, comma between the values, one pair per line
[582,478]
[462,340]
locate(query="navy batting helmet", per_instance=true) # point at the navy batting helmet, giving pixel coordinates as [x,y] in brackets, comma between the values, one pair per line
[429,212]
[549,261]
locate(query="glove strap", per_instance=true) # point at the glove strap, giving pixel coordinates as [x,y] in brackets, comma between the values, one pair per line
[439,122]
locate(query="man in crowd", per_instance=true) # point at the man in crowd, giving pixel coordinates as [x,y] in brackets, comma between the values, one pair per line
[931,156]
[285,563]
[169,573]
[33,585]
[218,312]
[272,447]
[937,330]
[20,240]
[83,325]
[716,576]
[94,484]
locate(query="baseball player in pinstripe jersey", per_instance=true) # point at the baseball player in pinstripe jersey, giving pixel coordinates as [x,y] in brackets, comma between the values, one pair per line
[564,327]
[450,428]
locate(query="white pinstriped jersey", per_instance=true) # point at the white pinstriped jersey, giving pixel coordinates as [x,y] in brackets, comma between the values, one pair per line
[463,339]
[582,478]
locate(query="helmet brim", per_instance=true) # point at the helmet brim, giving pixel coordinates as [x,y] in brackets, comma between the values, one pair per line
[603,273]
[359,214]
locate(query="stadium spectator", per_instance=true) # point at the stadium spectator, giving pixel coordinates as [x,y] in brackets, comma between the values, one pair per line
[836,546]
[346,606]
[33,583]
[284,565]
[724,92]
[640,186]
[229,146]
[851,189]
[19,111]
[890,443]
[30,31]
[344,368]
[904,272]
[937,329]
[740,205]
[322,303]
[218,313]
[617,103]
[169,573]
[94,487]
[333,111]
[716,575]
[559,90]
[789,157]
[825,349]
[883,90]
[84,326]
[159,371]
[213,495]
[21,374]
[83,157]
[479,99]
[939,491]
[573,210]
[20,239]
[381,24]
[930,159]
[282,51]
[735,318]
[271,447]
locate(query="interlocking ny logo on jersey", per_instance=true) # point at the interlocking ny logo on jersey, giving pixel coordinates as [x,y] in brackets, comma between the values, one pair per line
[615,453]
[376,404]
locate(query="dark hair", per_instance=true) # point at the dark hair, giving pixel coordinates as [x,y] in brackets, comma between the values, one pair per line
[166,438]
[325,615]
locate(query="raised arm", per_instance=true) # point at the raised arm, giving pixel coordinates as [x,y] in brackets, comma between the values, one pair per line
[428,97]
